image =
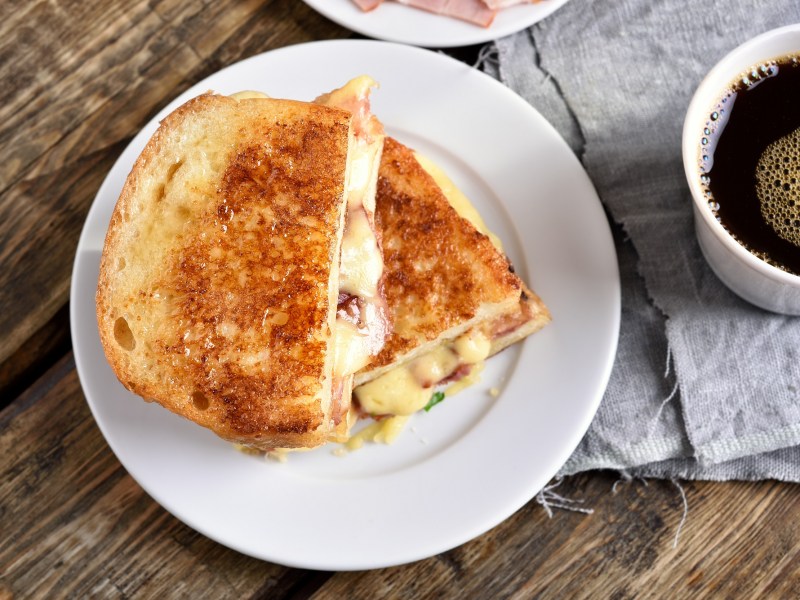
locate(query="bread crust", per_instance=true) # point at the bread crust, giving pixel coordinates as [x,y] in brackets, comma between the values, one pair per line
[222,259]
[528,317]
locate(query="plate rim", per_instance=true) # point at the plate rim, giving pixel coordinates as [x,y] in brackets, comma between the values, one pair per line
[432,549]
[455,32]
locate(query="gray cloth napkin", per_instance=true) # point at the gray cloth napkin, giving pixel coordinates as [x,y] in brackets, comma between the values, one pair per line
[705,385]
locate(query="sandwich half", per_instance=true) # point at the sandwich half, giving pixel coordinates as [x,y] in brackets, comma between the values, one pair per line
[453,295]
[219,280]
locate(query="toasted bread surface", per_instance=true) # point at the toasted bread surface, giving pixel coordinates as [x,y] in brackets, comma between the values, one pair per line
[219,275]
[441,275]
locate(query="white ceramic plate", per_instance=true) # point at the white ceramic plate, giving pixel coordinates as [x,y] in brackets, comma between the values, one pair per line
[394,22]
[473,460]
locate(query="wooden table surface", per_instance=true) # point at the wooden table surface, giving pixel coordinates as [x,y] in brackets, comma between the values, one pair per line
[79,80]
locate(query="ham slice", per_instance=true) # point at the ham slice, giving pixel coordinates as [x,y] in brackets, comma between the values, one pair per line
[479,12]
[498,4]
[473,11]
[367,5]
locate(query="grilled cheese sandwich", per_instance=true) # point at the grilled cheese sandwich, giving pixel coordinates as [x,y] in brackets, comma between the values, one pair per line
[267,256]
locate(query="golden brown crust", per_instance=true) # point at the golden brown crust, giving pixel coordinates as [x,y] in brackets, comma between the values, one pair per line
[221,257]
[440,272]
[528,317]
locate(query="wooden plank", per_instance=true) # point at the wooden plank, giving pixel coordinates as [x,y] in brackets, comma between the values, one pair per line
[75,524]
[36,355]
[739,540]
[80,79]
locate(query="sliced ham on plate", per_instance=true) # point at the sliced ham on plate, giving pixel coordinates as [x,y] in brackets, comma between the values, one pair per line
[498,4]
[479,12]
[474,11]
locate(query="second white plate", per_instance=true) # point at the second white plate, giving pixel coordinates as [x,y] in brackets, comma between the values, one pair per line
[393,22]
[473,460]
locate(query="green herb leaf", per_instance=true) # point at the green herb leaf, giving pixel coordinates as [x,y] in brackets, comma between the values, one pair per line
[435,399]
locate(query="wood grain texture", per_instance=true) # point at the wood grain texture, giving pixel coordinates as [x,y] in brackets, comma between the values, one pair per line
[80,79]
[38,353]
[739,541]
[75,523]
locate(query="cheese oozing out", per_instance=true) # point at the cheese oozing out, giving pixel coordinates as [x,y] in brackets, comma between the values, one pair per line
[384,431]
[247,94]
[408,388]
[356,341]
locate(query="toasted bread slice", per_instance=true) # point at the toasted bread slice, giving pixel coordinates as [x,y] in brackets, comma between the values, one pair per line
[219,277]
[444,278]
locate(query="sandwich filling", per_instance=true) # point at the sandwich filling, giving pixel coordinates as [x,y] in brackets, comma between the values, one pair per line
[361,316]
[406,389]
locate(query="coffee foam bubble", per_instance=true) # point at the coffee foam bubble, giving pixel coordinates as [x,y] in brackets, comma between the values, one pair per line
[778,186]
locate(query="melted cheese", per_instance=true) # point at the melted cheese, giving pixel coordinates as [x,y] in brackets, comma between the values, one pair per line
[396,392]
[245,94]
[473,347]
[473,377]
[361,263]
[384,431]
[351,349]
[360,169]
[429,369]
[406,389]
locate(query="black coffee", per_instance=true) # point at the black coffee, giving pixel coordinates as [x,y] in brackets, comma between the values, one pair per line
[750,162]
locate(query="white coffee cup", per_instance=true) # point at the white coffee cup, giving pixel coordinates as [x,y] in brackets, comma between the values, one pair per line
[750,277]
